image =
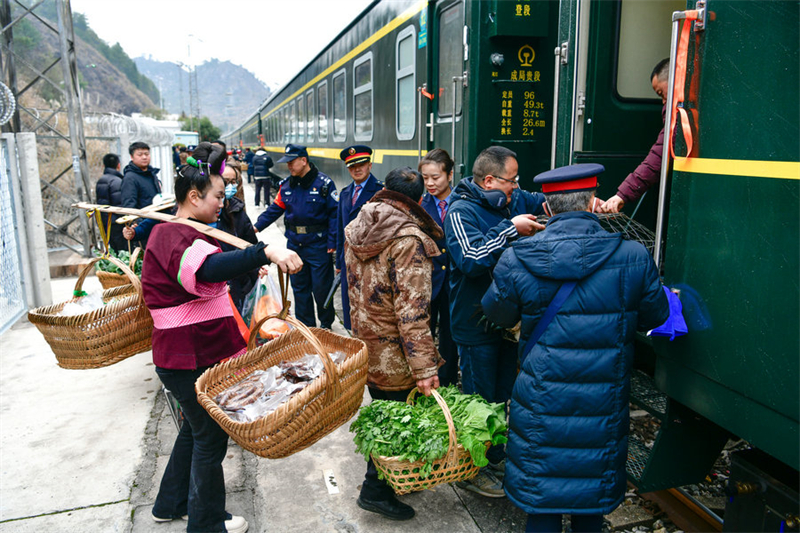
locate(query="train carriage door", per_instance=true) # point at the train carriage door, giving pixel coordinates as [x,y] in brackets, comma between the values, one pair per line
[449,59]
[616,115]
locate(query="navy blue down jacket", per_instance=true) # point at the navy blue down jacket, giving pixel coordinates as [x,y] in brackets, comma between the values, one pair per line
[568,432]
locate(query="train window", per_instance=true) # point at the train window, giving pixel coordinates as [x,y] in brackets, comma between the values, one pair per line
[301,119]
[287,129]
[310,115]
[405,108]
[339,107]
[322,107]
[362,97]
[644,37]
[451,59]
[293,121]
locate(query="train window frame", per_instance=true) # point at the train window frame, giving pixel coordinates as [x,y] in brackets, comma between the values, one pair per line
[301,119]
[322,116]
[358,91]
[293,121]
[310,115]
[287,129]
[340,74]
[446,114]
[409,33]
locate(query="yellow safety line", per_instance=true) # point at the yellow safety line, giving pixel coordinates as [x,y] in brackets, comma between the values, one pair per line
[381,33]
[788,170]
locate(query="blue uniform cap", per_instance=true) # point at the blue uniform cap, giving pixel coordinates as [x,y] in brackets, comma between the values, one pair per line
[573,178]
[293,151]
[353,155]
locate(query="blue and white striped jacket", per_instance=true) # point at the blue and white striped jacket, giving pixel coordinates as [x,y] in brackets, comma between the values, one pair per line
[477,233]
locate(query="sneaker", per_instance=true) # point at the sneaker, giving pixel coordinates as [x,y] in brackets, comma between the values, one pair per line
[498,469]
[159,520]
[485,484]
[236,524]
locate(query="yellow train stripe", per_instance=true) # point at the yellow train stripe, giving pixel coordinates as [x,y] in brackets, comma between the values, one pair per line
[407,14]
[333,153]
[788,170]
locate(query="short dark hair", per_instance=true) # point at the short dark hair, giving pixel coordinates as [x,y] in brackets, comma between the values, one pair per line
[110,160]
[661,70]
[138,145]
[492,161]
[406,181]
[219,142]
[440,157]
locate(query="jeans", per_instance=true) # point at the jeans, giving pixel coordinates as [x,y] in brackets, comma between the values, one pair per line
[440,315]
[490,371]
[193,482]
[375,489]
[551,523]
[262,184]
[312,284]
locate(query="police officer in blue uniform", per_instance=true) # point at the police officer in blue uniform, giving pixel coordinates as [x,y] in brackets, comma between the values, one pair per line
[309,199]
[358,159]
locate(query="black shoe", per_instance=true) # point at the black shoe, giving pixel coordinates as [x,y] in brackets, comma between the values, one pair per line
[392,508]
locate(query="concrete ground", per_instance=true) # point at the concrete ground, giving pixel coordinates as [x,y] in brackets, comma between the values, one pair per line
[84,451]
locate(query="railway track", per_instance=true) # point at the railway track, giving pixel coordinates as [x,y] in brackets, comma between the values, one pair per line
[685,511]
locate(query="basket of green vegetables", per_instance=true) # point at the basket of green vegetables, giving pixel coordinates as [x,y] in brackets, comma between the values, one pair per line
[110,275]
[431,440]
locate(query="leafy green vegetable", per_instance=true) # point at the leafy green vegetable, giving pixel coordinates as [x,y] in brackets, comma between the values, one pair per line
[105,265]
[419,432]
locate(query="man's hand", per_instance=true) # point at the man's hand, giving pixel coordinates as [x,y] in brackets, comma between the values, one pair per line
[331,250]
[526,224]
[425,386]
[612,205]
[287,260]
[129,232]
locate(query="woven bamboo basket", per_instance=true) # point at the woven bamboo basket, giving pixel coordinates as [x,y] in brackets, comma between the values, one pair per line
[456,465]
[109,280]
[324,405]
[103,337]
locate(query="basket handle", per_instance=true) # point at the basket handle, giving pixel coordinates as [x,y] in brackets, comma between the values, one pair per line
[332,388]
[135,281]
[134,256]
[452,451]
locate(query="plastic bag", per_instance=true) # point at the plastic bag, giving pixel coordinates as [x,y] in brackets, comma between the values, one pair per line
[263,391]
[84,304]
[265,300]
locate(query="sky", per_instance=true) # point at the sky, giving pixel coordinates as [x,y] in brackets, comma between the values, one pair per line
[273,39]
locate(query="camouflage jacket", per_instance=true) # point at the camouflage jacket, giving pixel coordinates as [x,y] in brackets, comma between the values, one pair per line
[387,252]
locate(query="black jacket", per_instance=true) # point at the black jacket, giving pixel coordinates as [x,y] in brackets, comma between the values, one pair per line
[261,165]
[139,186]
[235,221]
[109,192]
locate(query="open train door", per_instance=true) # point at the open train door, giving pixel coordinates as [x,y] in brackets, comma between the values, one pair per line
[449,54]
[608,111]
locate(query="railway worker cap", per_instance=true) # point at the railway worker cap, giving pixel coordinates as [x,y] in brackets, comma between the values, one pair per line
[574,178]
[292,152]
[353,155]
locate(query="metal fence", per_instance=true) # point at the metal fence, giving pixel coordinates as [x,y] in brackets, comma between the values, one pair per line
[12,298]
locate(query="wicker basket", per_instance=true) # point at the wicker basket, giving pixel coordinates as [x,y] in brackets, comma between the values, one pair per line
[109,280]
[103,337]
[327,403]
[404,476]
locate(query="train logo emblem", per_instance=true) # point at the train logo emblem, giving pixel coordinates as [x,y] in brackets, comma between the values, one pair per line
[526,56]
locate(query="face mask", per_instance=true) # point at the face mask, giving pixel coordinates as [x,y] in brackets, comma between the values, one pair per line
[230,190]
[496,198]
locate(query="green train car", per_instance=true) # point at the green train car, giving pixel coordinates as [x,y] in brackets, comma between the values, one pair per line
[566,81]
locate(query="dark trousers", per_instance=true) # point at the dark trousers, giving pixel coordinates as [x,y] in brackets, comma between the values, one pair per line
[440,316]
[193,482]
[551,523]
[262,184]
[490,370]
[249,176]
[312,284]
[373,488]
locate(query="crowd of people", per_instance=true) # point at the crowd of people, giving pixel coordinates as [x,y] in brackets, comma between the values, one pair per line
[445,285]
